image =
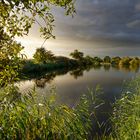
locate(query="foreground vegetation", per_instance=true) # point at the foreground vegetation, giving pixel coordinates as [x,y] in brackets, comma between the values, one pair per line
[24,117]
[126,115]
[21,115]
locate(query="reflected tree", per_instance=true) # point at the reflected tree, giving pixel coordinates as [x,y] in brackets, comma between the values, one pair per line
[77,73]
[41,82]
[107,67]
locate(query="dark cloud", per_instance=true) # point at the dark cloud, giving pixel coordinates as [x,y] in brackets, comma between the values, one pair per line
[107,19]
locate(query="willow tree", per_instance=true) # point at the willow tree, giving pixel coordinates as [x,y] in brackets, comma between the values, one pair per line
[16,19]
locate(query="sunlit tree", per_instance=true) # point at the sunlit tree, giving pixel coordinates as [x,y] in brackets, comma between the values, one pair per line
[10,59]
[42,55]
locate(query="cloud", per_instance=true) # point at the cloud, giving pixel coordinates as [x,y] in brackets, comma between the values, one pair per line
[134,24]
[100,27]
[118,19]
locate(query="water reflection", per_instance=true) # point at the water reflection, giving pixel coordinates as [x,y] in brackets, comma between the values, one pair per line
[79,72]
[40,82]
[107,67]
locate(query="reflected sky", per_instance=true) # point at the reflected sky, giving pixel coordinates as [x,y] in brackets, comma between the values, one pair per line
[70,87]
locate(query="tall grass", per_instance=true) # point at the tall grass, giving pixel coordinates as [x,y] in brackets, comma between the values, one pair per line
[23,117]
[126,117]
[126,114]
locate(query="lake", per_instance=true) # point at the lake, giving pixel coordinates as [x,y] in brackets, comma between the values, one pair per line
[70,85]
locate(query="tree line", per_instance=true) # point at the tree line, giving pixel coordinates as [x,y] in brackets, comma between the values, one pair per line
[44,56]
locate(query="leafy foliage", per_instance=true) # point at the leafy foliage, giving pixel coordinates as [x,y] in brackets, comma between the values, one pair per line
[18,16]
[10,59]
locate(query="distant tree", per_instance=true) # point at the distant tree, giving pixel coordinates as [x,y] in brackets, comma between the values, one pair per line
[137,58]
[89,60]
[135,62]
[125,61]
[97,59]
[42,55]
[107,59]
[115,60]
[77,55]
[49,56]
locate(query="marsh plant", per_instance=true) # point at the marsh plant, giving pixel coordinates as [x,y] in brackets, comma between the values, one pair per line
[24,117]
[126,116]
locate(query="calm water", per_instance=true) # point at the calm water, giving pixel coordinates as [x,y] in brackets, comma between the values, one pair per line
[70,85]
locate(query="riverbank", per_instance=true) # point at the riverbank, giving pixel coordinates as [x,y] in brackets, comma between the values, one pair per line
[31,67]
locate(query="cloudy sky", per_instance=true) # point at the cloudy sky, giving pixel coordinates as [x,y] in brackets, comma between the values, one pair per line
[100,27]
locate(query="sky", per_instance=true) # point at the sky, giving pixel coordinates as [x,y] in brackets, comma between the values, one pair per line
[100,28]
